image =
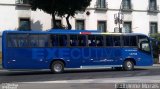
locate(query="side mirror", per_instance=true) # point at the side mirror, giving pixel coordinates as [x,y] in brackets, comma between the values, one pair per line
[144,45]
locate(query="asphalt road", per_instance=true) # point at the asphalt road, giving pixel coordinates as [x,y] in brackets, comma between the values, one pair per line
[46,75]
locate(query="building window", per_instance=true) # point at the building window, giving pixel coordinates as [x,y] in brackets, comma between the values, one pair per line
[153,28]
[152,5]
[127,27]
[101,4]
[24,24]
[126,4]
[80,24]
[58,23]
[22,1]
[101,26]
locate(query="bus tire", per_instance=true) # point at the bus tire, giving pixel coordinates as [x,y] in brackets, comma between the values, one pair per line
[128,65]
[57,67]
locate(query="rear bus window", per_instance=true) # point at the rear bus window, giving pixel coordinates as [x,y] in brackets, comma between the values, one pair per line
[17,40]
[12,40]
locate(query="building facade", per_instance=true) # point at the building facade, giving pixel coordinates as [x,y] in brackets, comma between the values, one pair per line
[137,16]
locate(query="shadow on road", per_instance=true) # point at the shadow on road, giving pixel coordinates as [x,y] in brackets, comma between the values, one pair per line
[70,71]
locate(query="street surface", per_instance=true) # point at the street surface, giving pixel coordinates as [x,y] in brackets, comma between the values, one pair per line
[81,79]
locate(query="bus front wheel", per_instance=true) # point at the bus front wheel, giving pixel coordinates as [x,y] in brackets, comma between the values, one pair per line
[128,65]
[57,67]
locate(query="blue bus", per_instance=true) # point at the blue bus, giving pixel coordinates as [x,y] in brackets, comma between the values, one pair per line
[59,49]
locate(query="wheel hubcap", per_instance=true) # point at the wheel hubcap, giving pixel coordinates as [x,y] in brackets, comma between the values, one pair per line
[58,67]
[129,65]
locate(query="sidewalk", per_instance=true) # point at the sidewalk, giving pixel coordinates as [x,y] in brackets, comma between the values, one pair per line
[156,65]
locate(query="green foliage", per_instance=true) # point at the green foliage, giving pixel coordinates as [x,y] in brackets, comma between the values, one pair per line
[156,44]
[156,37]
[71,7]
[60,7]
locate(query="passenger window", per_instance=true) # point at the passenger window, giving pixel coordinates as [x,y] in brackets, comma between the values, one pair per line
[113,41]
[92,40]
[109,41]
[116,41]
[12,40]
[62,40]
[44,41]
[54,40]
[81,40]
[99,40]
[73,40]
[22,40]
[129,41]
[34,41]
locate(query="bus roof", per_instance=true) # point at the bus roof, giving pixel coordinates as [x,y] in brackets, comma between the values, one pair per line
[62,31]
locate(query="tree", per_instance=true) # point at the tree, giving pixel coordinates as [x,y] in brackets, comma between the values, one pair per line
[60,8]
[48,6]
[72,7]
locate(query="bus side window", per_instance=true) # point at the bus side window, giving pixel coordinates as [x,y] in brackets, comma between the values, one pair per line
[73,40]
[133,41]
[62,40]
[12,40]
[22,40]
[54,40]
[129,41]
[44,41]
[33,40]
[91,40]
[81,40]
[116,41]
[99,40]
[109,40]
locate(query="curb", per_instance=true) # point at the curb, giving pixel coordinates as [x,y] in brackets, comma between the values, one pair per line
[156,65]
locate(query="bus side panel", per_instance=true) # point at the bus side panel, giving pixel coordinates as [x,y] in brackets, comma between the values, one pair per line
[93,56]
[41,58]
[24,58]
[145,59]
[141,58]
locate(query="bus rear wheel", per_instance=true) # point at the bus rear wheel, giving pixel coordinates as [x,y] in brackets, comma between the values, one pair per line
[57,67]
[128,65]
